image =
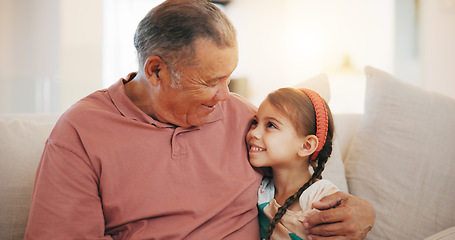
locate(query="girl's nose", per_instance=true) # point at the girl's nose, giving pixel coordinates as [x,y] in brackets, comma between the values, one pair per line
[254,132]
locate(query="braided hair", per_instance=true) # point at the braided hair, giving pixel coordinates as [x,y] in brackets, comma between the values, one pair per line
[299,108]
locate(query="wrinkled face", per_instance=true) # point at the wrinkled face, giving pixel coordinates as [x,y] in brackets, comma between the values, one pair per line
[272,139]
[202,86]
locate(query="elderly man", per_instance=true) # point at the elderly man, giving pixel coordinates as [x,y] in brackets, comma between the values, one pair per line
[161,154]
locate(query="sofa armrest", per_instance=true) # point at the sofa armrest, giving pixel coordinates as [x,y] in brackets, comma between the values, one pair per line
[22,139]
[448,234]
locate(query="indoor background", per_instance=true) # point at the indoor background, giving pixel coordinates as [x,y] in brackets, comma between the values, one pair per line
[54,52]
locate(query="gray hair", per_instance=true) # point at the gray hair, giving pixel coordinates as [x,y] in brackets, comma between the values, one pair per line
[170,29]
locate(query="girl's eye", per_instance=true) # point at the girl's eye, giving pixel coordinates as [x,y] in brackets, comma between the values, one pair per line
[254,123]
[271,125]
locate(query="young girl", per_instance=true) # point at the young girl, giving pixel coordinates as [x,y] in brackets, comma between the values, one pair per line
[292,130]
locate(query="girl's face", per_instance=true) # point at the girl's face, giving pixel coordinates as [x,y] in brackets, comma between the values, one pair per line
[272,140]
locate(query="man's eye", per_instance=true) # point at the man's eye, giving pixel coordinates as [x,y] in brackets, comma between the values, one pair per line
[212,83]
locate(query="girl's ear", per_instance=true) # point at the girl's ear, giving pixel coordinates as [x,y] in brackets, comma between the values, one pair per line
[309,145]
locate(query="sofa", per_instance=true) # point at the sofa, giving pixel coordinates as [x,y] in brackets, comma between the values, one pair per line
[399,155]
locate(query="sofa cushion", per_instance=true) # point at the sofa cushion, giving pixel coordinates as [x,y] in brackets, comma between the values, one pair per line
[334,169]
[21,145]
[402,158]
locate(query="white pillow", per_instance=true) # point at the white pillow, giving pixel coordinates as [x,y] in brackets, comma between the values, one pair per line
[402,159]
[334,169]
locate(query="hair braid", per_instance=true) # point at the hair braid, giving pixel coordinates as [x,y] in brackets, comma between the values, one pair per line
[282,210]
[322,158]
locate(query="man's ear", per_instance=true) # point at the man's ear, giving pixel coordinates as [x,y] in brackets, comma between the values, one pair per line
[152,68]
[309,145]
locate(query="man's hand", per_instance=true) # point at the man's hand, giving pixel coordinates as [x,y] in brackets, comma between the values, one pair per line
[342,216]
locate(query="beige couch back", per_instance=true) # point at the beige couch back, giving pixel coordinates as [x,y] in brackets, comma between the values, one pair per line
[22,139]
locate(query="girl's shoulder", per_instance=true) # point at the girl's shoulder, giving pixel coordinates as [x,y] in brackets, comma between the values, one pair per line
[316,192]
[322,184]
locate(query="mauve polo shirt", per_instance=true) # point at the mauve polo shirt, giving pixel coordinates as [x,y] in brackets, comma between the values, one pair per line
[109,171]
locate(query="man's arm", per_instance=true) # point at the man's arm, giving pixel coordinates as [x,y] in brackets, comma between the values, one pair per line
[341,215]
[66,203]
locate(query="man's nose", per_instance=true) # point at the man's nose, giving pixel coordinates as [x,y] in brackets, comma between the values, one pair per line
[222,93]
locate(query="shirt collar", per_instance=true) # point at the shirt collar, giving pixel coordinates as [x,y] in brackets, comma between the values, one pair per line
[127,108]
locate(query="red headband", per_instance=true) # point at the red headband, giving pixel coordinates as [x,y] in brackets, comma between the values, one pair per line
[322,119]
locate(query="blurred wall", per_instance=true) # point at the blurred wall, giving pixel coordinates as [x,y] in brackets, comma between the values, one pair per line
[52,50]
[437,45]
[284,42]
[51,53]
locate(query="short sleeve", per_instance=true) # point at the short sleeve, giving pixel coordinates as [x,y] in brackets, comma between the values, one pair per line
[315,193]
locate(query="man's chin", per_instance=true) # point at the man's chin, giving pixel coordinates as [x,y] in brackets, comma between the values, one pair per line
[197,122]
